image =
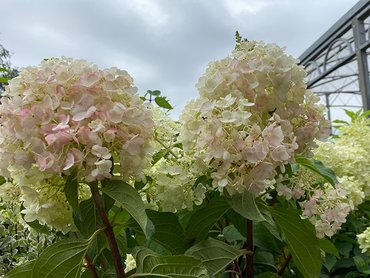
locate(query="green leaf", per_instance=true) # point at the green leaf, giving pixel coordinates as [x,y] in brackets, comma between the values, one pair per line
[158,155]
[2,180]
[168,231]
[205,218]
[130,199]
[21,271]
[329,262]
[232,234]
[71,191]
[4,79]
[163,102]
[4,70]
[264,258]
[301,239]
[86,223]
[38,227]
[361,264]
[268,275]
[149,263]
[63,259]
[340,122]
[245,205]
[319,168]
[328,247]
[214,254]
[154,92]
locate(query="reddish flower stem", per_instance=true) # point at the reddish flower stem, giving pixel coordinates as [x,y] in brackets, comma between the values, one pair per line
[108,231]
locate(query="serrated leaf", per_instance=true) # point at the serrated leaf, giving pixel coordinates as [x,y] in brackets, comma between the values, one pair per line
[163,102]
[205,218]
[86,223]
[152,264]
[319,168]
[71,191]
[168,231]
[21,271]
[130,199]
[245,205]
[61,260]
[214,254]
[301,239]
[328,247]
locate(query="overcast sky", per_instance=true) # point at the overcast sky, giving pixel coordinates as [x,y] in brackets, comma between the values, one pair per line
[163,44]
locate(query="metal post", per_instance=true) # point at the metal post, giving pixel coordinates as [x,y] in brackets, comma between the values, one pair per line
[327,102]
[359,36]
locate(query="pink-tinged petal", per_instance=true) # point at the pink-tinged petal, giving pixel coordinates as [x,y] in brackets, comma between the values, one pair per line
[70,160]
[134,145]
[78,156]
[79,116]
[45,161]
[89,80]
[63,124]
[50,139]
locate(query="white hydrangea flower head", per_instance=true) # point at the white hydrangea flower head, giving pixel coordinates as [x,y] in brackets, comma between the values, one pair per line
[348,156]
[66,114]
[253,114]
[364,241]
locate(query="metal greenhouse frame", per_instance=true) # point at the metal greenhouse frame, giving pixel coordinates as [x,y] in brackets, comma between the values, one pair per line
[337,63]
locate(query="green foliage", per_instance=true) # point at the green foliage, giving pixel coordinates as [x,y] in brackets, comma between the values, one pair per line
[214,254]
[319,168]
[204,219]
[301,239]
[161,101]
[22,271]
[245,205]
[168,231]
[7,71]
[348,261]
[62,259]
[71,191]
[130,199]
[149,264]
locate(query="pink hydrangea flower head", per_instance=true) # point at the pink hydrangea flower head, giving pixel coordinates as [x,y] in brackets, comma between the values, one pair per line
[66,114]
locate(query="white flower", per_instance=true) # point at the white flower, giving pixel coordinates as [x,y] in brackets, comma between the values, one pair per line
[364,240]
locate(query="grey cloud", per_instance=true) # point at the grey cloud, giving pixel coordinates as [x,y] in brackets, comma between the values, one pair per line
[169,56]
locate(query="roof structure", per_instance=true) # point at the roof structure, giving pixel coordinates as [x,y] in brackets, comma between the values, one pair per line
[337,63]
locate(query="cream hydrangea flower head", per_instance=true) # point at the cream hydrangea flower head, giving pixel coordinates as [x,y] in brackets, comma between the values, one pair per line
[253,114]
[66,114]
[364,241]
